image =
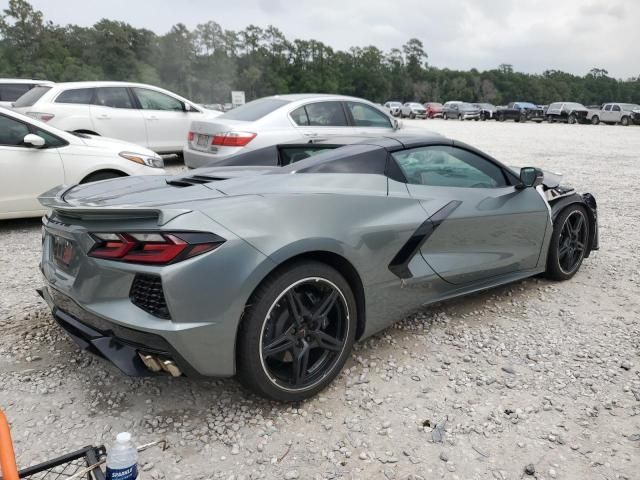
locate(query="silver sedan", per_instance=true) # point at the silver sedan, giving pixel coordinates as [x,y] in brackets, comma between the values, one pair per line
[283,118]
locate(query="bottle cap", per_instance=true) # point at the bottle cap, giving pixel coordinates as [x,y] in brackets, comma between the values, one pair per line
[123,437]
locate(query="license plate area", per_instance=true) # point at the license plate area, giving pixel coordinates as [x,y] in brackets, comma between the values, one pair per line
[203,140]
[64,252]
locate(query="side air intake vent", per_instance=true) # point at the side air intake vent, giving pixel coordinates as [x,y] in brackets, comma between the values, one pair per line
[193,180]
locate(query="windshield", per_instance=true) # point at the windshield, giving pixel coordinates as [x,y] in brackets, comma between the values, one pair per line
[255,110]
[31,97]
[526,105]
[575,106]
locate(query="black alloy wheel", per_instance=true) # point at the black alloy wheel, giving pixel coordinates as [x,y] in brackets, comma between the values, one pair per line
[569,243]
[298,332]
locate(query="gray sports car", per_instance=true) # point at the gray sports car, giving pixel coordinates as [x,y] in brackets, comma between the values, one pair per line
[272,273]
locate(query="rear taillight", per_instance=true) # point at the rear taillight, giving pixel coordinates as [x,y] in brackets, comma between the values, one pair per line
[191,136]
[43,117]
[232,139]
[157,248]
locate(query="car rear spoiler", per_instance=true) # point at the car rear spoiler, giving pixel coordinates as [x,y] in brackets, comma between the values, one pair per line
[54,200]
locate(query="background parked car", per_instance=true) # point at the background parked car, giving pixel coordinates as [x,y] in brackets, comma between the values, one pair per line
[450,109]
[138,113]
[11,89]
[460,111]
[393,108]
[520,112]
[283,118]
[569,112]
[413,110]
[434,109]
[35,157]
[623,113]
[487,110]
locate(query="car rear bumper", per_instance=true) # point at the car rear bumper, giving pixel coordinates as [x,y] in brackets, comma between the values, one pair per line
[197,159]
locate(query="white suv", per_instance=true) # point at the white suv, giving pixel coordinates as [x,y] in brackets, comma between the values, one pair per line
[137,113]
[11,89]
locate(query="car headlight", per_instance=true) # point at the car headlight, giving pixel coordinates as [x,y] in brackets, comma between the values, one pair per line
[154,161]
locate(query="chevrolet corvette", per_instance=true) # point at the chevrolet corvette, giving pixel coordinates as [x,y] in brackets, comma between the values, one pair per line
[272,273]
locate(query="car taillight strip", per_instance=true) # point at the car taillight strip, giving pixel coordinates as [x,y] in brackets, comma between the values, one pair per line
[156,248]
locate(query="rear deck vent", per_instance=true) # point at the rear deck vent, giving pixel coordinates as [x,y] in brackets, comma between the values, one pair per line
[147,293]
[192,180]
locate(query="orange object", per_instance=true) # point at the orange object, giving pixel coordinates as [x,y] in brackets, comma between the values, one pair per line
[7,457]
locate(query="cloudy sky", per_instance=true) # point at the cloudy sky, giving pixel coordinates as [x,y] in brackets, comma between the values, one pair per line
[569,35]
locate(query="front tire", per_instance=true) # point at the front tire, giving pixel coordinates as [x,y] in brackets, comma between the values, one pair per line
[444,116]
[568,243]
[572,119]
[595,120]
[297,332]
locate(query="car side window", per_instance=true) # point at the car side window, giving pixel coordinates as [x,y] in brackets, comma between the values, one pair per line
[616,108]
[51,141]
[366,116]
[152,100]
[326,114]
[81,96]
[299,117]
[290,155]
[10,92]
[442,166]
[114,97]
[12,132]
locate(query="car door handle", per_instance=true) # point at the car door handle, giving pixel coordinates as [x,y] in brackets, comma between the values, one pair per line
[310,134]
[152,117]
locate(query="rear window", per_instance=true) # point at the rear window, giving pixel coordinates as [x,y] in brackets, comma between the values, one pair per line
[31,97]
[81,96]
[10,92]
[255,110]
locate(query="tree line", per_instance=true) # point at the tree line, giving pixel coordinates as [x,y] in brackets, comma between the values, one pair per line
[206,63]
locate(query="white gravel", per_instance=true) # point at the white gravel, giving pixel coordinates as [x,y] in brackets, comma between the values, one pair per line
[539,375]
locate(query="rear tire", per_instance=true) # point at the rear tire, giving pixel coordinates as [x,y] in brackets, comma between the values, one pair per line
[624,121]
[568,243]
[460,117]
[98,176]
[307,351]
[550,119]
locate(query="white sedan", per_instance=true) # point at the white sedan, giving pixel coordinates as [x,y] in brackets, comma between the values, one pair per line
[134,112]
[34,157]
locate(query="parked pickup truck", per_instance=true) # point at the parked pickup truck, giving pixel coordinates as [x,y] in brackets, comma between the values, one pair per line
[622,113]
[520,112]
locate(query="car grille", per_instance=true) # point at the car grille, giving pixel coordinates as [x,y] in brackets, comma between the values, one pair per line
[146,293]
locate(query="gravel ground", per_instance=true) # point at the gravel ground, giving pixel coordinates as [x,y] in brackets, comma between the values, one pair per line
[538,375]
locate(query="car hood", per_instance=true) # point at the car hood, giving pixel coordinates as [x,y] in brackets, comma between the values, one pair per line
[113,144]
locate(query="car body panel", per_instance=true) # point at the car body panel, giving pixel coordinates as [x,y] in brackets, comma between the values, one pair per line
[269,216]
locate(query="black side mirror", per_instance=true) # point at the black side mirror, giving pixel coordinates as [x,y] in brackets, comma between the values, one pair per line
[530,177]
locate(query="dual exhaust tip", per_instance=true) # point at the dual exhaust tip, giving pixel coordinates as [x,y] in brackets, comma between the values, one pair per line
[157,364]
